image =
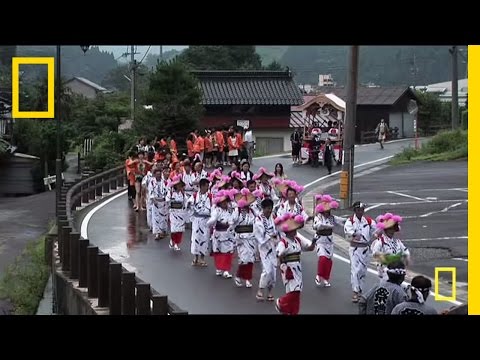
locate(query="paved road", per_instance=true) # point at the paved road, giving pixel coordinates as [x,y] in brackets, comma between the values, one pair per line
[122,233]
[305,174]
[433,199]
[118,230]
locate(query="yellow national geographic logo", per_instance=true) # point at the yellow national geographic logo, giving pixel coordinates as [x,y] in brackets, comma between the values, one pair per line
[16,62]
[453,271]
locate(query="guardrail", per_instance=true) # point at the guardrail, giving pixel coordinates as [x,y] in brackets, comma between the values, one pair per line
[109,284]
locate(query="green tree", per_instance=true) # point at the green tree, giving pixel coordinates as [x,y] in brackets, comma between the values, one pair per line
[275,66]
[221,57]
[431,111]
[175,96]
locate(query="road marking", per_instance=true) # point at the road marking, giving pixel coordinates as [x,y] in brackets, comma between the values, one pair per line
[441,211]
[431,198]
[415,190]
[439,238]
[460,259]
[406,195]
[355,167]
[372,271]
[88,217]
[374,206]
[270,156]
[422,202]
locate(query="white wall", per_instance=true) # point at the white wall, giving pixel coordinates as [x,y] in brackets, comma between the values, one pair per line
[408,125]
[404,122]
[395,119]
[285,134]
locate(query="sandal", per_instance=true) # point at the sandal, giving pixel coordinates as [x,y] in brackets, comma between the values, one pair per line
[355,298]
[202,264]
[270,298]
[260,297]
[195,263]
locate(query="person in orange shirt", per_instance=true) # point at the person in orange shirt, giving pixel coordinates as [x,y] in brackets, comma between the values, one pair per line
[199,147]
[220,146]
[173,145]
[190,152]
[208,148]
[239,136]
[130,167]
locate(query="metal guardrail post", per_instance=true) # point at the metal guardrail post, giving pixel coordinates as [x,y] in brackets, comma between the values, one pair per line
[128,293]
[92,279]
[82,262]
[115,288]
[143,299]
[74,249]
[103,262]
[66,230]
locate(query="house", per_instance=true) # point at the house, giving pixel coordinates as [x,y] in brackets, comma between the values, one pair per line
[258,99]
[87,88]
[375,103]
[6,123]
[444,91]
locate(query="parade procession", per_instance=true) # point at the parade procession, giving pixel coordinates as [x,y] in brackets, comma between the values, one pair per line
[241,220]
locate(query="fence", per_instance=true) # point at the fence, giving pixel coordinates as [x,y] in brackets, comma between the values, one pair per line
[106,280]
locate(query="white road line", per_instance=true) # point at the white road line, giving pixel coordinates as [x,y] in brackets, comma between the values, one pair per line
[355,167]
[439,238]
[371,271]
[88,217]
[406,195]
[422,202]
[270,156]
[460,259]
[374,206]
[441,211]
[415,190]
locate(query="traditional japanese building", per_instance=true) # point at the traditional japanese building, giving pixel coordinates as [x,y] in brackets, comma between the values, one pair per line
[259,99]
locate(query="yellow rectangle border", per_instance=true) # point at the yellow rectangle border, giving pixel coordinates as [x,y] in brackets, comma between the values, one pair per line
[16,62]
[473,170]
[452,270]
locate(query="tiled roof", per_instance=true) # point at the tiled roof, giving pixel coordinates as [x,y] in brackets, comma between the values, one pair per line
[89,83]
[372,95]
[248,88]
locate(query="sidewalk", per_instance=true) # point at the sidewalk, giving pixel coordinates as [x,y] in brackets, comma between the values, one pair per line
[26,219]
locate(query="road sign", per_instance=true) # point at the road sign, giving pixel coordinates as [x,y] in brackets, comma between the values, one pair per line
[243,123]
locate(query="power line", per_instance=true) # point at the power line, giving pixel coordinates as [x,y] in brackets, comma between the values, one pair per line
[146,53]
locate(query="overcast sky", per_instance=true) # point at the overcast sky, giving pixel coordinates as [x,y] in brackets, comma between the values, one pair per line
[155,49]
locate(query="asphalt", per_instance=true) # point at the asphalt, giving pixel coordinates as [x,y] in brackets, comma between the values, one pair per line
[23,220]
[432,197]
[122,233]
[364,154]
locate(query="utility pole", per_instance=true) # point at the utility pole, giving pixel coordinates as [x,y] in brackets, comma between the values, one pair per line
[58,109]
[454,52]
[346,177]
[414,70]
[161,53]
[133,69]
